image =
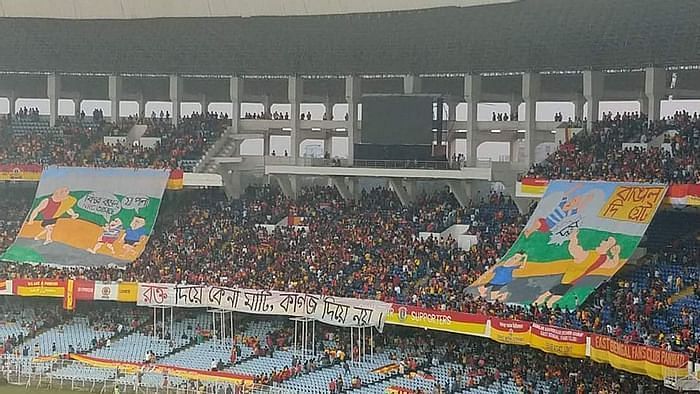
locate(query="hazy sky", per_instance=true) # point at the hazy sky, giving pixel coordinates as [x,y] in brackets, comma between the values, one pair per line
[494,151]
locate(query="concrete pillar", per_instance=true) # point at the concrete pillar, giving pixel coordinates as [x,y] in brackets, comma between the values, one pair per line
[13,104]
[115,94]
[328,143]
[472,95]
[236,96]
[411,84]
[655,91]
[295,92]
[175,98]
[515,155]
[204,103]
[329,108]
[593,87]
[354,186]
[267,105]
[141,100]
[578,101]
[77,101]
[643,103]
[514,105]
[451,134]
[266,143]
[531,92]
[352,97]
[53,91]
[232,183]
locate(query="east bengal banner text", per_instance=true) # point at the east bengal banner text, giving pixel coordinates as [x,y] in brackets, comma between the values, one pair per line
[560,341]
[512,332]
[579,236]
[89,217]
[645,360]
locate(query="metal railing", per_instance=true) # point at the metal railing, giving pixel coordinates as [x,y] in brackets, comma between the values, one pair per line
[23,372]
[385,164]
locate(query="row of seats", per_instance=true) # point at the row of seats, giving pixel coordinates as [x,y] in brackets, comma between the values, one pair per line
[78,334]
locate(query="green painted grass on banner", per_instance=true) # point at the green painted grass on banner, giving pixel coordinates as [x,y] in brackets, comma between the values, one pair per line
[21,253]
[539,251]
[150,212]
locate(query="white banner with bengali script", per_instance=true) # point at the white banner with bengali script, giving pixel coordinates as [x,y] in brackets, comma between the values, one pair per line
[338,311]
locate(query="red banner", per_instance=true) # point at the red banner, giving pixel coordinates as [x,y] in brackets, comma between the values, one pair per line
[514,332]
[39,287]
[176,180]
[20,172]
[568,343]
[683,195]
[639,359]
[457,322]
[84,289]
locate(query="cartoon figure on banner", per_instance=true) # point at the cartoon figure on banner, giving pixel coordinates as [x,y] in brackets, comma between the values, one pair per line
[606,255]
[563,218]
[51,209]
[502,275]
[110,234]
[134,234]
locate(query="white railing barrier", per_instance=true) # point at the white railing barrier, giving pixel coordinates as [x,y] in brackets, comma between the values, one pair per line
[23,371]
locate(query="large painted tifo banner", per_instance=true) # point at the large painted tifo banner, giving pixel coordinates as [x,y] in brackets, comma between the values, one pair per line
[90,216]
[338,311]
[579,236]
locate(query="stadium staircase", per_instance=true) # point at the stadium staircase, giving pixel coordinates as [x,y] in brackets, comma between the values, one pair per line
[687,292]
[227,145]
[137,131]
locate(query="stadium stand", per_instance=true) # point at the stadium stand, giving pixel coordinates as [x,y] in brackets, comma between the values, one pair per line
[432,273]
[81,143]
[599,155]
[320,242]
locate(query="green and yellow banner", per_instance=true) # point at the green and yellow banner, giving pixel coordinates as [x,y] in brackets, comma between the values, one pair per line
[90,216]
[579,236]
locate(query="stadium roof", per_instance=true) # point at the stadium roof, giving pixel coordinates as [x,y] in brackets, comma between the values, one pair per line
[530,35]
[135,9]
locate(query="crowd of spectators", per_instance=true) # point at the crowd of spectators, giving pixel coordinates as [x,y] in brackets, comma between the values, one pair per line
[279,115]
[78,145]
[504,116]
[600,154]
[370,249]
[24,113]
[482,363]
